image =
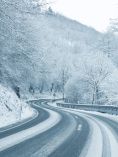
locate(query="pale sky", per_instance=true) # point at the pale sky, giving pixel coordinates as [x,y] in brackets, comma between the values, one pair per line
[95,13]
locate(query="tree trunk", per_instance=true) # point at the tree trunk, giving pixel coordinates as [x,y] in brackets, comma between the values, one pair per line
[93,98]
[95,95]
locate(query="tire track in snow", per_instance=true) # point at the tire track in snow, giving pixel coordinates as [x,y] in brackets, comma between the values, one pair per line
[106,145]
[21,136]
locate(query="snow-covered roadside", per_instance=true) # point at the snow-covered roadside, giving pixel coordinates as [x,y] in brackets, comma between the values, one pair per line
[93,143]
[110,143]
[106,115]
[21,136]
[111,140]
[11,119]
[100,134]
[108,130]
[112,117]
[12,109]
[113,144]
[102,140]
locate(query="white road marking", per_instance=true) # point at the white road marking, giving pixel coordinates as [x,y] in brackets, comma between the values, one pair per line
[95,142]
[79,128]
[76,117]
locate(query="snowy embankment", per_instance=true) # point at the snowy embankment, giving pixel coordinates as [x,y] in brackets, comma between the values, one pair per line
[105,135]
[105,143]
[54,118]
[12,110]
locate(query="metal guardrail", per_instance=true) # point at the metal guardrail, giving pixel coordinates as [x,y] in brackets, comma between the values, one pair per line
[98,108]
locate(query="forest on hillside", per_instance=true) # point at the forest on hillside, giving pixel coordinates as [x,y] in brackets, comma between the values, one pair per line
[44,52]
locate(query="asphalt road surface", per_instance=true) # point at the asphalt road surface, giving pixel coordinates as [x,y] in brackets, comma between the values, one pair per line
[72,136]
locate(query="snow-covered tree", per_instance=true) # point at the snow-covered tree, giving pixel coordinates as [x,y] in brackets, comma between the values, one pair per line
[91,71]
[106,44]
[96,71]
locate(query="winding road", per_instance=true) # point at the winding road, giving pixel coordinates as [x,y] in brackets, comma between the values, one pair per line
[61,132]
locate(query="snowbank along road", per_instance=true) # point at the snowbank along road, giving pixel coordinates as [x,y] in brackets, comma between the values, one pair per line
[60,132]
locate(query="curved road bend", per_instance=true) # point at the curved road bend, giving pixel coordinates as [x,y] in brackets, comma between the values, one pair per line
[73,136]
[66,139]
[43,115]
[109,132]
[112,124]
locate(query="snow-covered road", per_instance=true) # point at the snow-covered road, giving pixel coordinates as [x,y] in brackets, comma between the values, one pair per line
[64,133]
[21,136]
[102,141]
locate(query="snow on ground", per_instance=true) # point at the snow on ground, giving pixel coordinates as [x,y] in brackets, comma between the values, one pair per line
[12,109]
[21,136]
[94,142]
[107,115]
[112,117]
[113,144]
[108,137]
[99,128]
[103,132]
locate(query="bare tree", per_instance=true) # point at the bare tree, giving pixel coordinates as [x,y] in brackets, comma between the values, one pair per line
[95,74]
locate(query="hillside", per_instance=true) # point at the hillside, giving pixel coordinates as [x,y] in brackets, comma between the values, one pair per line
[12,109]
[41,51]
[48,39]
